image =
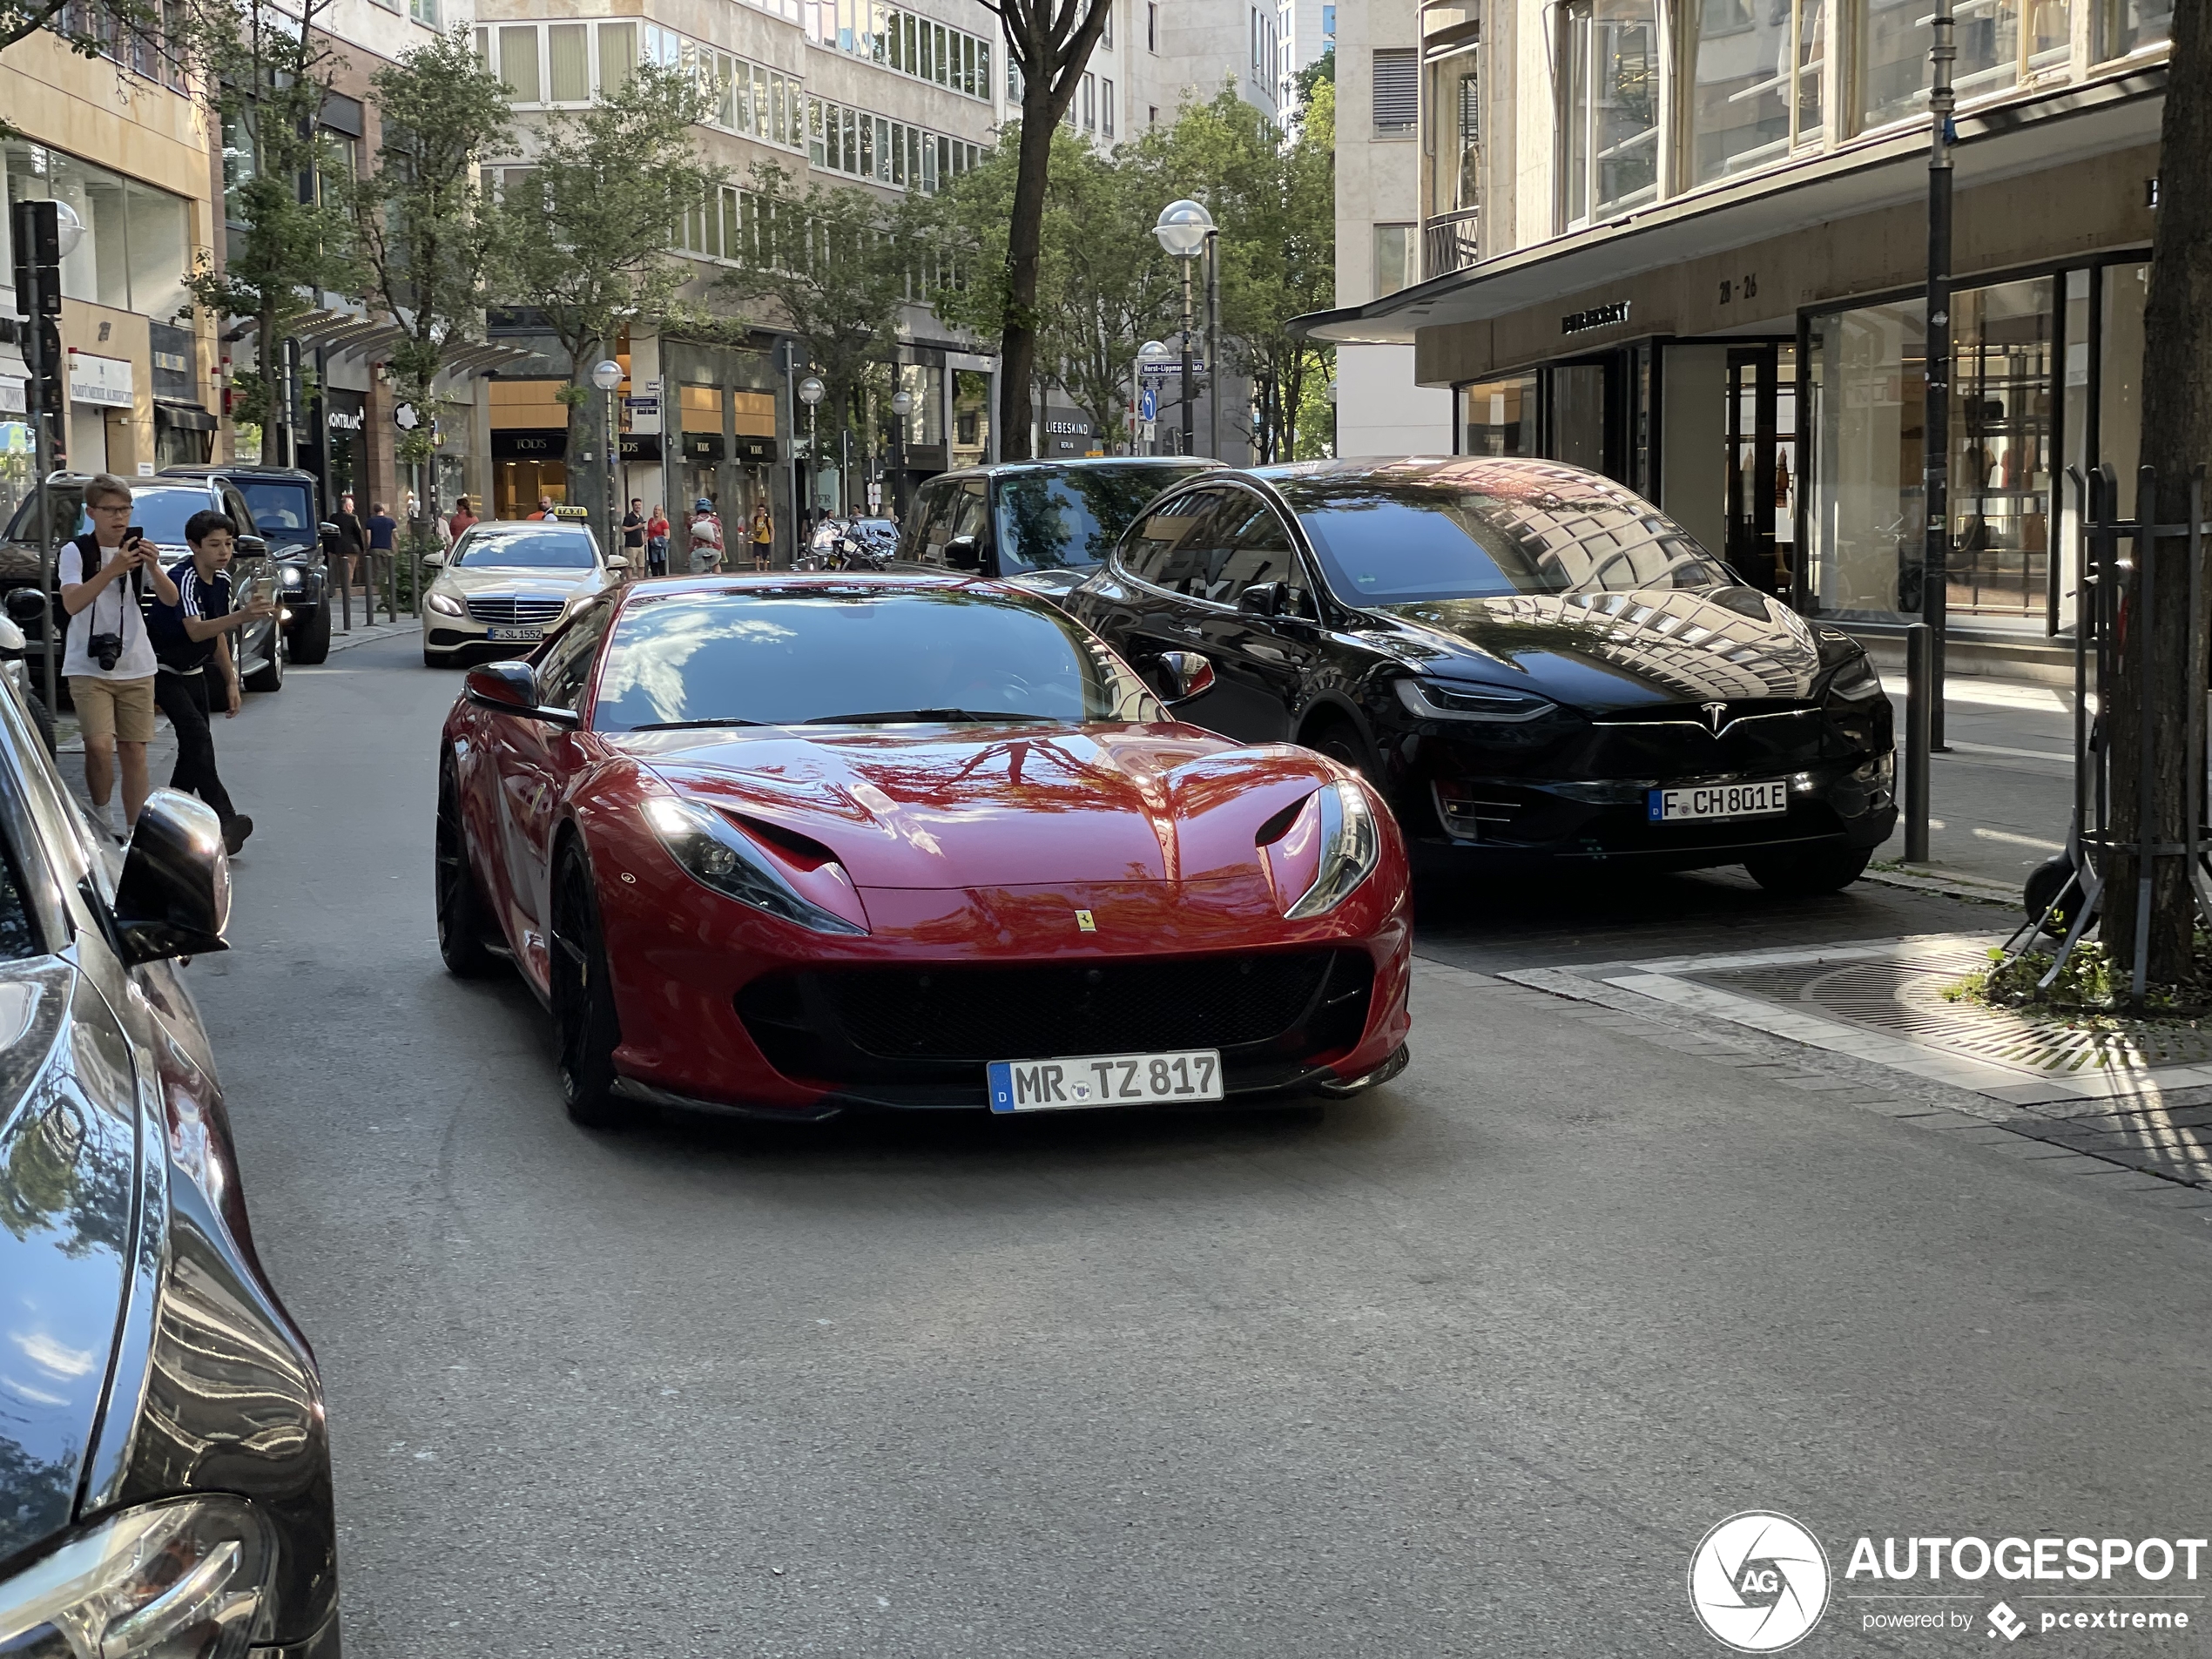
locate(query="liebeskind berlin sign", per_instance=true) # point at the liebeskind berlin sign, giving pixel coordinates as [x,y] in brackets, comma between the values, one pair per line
[1576,322]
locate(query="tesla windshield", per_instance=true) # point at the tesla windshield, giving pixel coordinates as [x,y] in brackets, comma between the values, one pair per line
[853,654]
[1071,520]
[1400,541]
[554,547]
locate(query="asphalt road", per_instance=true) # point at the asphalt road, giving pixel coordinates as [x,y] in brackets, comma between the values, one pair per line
[1468,1366]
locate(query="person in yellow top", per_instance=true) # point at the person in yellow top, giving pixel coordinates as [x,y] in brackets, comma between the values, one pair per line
[764,535]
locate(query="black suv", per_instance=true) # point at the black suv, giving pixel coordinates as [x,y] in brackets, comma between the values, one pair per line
[1041,524]
[161,507]
[288,512]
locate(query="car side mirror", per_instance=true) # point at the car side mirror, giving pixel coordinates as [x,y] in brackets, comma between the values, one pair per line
[511,688]
[1262,599]
[961,554]
[617,564]
[26,606]
[1187,675]
[433,559]
[174,896]
[252,546]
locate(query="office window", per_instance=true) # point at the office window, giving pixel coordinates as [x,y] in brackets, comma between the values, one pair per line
[1397,94]
[1106,109]
[1609,113]
[568,62]
[1152,28]
[1394,247]
[518,62]
[1151,115]
[1328,26]
[1106,34]
[1756,92]
[617,55]
[2001,43]
[1090,104]
[1455,115]
[424,12]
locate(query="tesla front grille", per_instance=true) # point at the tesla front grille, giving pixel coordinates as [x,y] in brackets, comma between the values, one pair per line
[515,613]
[884,1021]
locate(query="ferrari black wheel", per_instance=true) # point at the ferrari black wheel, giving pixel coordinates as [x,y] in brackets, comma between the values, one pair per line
[1823,869]
[583,1005]
[463,924]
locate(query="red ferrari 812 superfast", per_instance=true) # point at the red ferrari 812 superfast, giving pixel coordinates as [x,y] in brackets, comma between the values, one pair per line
[792,845]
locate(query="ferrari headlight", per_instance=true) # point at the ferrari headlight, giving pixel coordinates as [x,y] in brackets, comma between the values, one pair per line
[1436,700]
[715,853]
[444,603]
[1350,847]
[1856,681]
[186,1580]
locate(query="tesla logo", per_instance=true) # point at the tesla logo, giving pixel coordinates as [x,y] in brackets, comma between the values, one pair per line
[1084,922]
[1715,715]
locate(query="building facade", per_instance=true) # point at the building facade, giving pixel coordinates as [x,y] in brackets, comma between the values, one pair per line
[1685,245]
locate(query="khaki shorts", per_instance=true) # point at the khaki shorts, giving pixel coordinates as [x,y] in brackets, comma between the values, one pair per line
[121,709]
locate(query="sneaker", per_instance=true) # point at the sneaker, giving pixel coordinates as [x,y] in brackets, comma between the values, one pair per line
[235,831]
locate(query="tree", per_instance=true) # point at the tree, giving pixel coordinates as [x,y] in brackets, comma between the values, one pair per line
[1105,284]
[1049,43]
[2176,441]
[838,263]
[267,73]
[424,225]
[585,231]
[89,30]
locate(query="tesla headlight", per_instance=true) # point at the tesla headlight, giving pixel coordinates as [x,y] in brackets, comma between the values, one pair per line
[187,1579]
[444,603]
[1856,681]
[715,853]
[1351,846]
[1436,700]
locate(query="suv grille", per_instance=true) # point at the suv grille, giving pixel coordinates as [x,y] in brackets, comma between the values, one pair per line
[515,613]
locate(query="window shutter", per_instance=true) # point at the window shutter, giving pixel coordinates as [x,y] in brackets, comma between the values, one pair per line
[1397,95]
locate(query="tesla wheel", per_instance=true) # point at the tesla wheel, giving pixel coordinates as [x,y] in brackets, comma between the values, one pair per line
[270,676]
[462,922]
[311,636]
[583,1004]
[1340,741]
[1824,869]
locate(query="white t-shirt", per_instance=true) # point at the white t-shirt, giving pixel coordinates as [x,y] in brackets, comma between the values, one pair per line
[115,610]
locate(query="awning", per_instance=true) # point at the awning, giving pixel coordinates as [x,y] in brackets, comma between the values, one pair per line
[345,334]
[189,417]
[2019,137]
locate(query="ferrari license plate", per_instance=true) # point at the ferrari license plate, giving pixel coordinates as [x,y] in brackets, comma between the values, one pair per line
[1105,1079]
[1720,800]
[518,634]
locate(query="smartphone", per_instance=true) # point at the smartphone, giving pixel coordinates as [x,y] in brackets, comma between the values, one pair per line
[135,536]
[262,589]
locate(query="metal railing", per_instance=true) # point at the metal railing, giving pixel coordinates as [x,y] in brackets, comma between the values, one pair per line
[1448,242]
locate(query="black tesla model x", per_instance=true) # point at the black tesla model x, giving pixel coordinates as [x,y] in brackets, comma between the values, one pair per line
[1534,663]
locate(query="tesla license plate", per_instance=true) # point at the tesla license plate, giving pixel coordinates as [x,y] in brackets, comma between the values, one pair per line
[1720,800]
[1104,1080]
[530,634]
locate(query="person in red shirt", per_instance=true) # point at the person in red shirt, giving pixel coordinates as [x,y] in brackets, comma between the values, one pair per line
[463,517]
[656,543]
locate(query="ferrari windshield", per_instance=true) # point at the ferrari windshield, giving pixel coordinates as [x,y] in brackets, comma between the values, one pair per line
[555,548]
[857,654]
[1400,540]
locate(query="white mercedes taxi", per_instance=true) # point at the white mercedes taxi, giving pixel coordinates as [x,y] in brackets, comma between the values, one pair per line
[504,583]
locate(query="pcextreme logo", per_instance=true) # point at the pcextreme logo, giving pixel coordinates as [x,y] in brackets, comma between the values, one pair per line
[1758,1581]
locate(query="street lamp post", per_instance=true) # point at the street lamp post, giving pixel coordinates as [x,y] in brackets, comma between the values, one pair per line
[902,405]
[606,374]
[45,233]
[1924,726]
[1185,229]
[810,392]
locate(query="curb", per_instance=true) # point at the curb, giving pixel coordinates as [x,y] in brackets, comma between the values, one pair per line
[369,635]
[1953,884]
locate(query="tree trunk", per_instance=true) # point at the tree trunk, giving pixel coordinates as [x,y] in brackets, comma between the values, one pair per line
[2158,664]
[267,348]
[1024,238]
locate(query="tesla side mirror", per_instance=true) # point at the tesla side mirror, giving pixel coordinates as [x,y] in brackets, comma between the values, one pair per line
[961,554]
[1186,675]
[511,688]
[174,896]
[1261,599]
[26,605]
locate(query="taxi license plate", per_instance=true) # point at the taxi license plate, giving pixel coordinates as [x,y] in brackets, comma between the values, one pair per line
[1720,800]
[1105,1079]
[504,634]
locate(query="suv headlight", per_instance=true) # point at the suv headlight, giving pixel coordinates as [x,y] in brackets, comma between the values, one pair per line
[444,603]
[292,575]
[1435,700]
[1351,846]
[715,853]
[1856,681]
[185,1580]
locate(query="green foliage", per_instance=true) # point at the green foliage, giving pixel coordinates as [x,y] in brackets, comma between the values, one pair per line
[125,29]
[2089,983]
[1322,71]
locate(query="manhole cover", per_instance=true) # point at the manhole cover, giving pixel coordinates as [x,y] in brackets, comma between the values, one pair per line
[1903,995]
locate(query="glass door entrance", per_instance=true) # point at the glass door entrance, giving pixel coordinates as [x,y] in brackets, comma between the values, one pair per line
[1762,441]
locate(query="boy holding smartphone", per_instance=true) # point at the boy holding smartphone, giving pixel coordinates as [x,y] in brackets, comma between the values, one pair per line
[108,654]
[188,630]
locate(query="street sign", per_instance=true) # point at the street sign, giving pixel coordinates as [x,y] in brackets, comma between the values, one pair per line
[1171,369]
[1147,404]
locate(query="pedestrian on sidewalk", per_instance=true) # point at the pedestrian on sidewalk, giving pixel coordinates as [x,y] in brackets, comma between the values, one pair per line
[764,535]
[633,534]
[188,638]
[383,530]
[108,657]
[463,517]
[353,536]
[545,509]
[656,543]
[706,538]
